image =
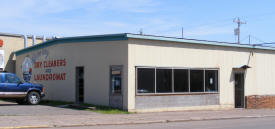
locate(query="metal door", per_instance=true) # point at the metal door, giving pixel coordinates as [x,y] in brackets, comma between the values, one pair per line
[239,90]
[116,96]
[79,85]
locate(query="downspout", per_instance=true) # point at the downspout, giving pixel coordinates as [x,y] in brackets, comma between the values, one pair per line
[25,40]
[44,38]
[33,39]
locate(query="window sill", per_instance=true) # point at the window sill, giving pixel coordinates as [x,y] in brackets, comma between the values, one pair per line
[173,94]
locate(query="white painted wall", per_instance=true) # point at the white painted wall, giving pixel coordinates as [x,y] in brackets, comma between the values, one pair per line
[96,57]
[259,79]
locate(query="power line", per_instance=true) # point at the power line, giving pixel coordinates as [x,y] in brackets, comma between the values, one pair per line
[262,42]
[245,38]
[258,39]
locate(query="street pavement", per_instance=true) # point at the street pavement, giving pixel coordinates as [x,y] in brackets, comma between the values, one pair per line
[29,116]
[13,109]
[245,123]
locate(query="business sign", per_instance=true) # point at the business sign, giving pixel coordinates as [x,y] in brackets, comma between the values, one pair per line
[27,69]
[48,65]
[41,68]
[1,43]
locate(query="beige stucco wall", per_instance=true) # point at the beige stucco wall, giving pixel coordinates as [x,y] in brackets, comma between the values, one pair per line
[96,57]
[12,44]
[265,73]
[259,79]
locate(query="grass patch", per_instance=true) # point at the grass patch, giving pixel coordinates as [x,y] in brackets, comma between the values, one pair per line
[86,107]
[105,109]
[54,103]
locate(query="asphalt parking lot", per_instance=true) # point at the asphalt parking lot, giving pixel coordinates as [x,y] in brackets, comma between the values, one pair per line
[13,115]
[13,109]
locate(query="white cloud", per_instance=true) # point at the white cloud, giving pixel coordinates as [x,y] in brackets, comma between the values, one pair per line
[61,17]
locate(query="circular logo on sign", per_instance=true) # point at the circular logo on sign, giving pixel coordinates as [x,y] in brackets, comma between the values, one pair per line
[27,69]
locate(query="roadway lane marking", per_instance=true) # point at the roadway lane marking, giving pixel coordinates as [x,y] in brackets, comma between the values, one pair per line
[25,127]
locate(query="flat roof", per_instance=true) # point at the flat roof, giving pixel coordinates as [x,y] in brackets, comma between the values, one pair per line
[19,35]
[127,36]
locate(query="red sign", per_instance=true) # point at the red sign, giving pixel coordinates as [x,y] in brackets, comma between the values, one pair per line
[50,76]
[50,63]
[47,65]
[1,42]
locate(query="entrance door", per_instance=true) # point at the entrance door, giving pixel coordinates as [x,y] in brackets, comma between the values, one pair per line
[79,79]
[239,90]
[116,97]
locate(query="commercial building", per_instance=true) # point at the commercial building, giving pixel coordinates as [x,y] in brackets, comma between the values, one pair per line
[151,73]
[9,43]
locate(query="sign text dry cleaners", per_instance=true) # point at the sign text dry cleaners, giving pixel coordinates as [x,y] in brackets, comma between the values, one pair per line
[50,64]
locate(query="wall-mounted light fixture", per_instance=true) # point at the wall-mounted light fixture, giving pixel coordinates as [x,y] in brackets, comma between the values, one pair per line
[245,67]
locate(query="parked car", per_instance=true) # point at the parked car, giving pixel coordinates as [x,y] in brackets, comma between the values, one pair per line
[12,88]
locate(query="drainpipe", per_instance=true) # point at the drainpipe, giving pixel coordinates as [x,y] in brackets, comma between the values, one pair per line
[25,40]
[33,39]
[44,38]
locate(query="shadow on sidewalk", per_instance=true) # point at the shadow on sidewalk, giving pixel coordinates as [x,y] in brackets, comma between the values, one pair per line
[84,107]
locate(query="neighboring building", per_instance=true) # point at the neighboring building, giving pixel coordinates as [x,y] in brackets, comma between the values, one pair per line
[151,73]
[12,43]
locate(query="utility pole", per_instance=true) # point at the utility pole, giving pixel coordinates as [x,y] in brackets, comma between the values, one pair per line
[237,30]
[182,32]
[249,39]
[141,31]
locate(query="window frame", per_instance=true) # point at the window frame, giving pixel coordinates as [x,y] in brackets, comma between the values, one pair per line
[172,79]
[218,79]
[188,80]
[14,75]
[116,68]
[173,90]
[202,80]
[136,80]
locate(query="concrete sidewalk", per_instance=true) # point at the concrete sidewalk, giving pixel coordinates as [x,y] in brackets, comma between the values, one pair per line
[102,119]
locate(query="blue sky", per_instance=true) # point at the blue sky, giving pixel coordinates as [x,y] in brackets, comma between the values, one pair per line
[201,19]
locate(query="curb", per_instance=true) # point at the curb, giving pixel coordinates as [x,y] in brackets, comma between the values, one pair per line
[137,122]
[25,127]
[164,121]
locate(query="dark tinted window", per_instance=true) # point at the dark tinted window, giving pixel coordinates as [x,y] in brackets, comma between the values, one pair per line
[164,80]
[196,81]
[181,80]
[211,80]
[80,84]
[10,78]
[169,80]
[146,80]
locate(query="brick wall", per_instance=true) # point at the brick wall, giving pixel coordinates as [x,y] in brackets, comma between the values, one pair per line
[260,101]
